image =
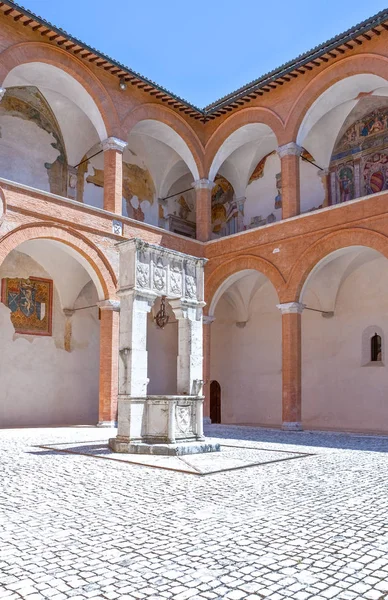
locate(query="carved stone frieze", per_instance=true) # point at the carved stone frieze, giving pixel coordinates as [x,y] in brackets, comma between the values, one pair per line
[161,272]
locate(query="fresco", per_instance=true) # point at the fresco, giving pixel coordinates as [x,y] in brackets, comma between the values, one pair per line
[30,301]
[359,163]
[223,205]
[28,104]
[138,186]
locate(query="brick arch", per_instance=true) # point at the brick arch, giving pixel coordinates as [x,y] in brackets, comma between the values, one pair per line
[84,247]
[243,117]
[158,112]
[362,64]
[325,246]
[27,52]
[242,263]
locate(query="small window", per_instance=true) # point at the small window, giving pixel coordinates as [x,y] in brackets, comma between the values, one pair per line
[375,348]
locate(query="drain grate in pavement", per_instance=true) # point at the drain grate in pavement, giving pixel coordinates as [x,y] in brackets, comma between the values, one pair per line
[230,458]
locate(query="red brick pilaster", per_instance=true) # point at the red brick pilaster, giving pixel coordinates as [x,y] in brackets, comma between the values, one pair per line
[291,365]
[290,159]
[203,207]
[109,352]
[113,174]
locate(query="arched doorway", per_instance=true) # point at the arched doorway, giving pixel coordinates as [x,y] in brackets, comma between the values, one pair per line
[215,402]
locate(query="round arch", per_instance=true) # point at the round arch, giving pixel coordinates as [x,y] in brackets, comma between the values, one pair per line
[30,52]
[222,276]
[185,140]
[246,116]
[84,251]
[325,246]
[362,64]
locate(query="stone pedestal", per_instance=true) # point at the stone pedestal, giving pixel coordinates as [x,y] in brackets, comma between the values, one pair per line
[169,425]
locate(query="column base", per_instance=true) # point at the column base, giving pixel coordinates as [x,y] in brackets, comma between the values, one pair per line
[107,424]
[127,447]
[292,426]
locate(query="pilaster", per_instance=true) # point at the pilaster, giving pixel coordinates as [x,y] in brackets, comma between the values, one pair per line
[203,207]
[290,158]
[109,338]
[291,365]
[113,174]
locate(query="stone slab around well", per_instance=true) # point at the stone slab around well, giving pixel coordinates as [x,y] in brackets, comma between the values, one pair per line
[179,449]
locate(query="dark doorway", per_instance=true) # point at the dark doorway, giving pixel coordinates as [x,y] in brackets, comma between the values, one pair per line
[215,402]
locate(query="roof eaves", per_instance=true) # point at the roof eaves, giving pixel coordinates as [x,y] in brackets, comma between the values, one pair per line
[299,61]
[114,62]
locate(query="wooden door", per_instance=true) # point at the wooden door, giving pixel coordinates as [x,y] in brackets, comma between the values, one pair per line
[215,402]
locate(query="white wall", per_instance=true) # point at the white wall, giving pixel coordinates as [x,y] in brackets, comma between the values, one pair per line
[337,391]
[162,346]
[247,361]
[40,382]
[261,193]
[24,150]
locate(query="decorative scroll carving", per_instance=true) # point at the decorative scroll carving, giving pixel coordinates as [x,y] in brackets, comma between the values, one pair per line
[176,279]
[159,279]
[142,274]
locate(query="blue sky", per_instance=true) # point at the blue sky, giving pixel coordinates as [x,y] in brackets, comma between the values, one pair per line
[203,49]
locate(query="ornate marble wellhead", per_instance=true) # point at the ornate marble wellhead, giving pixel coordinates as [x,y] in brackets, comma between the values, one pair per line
[160,424]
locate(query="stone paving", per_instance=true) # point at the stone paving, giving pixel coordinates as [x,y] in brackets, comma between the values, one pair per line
[74,526]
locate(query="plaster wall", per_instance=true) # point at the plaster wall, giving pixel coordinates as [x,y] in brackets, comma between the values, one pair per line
[25,148]
[247,361]
[40,382]
[162,346]
[338,390]
[261,193]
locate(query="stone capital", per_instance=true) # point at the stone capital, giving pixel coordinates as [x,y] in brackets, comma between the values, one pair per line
[109,305]
[2,92]
[290,149]
[323,173]
[112,143]
[291,308]
[203,184]
[208,320]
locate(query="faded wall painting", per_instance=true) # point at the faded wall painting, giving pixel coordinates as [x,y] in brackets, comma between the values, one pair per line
[138,185]
[359,163]
[30,302]
[224,207]
[32,150]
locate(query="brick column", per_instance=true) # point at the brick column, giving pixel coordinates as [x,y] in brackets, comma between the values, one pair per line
[113,174]
[203,208]
[207,321]
[291,365]
[290,158]
[109,349]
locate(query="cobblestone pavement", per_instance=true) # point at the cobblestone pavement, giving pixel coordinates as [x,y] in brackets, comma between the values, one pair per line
[83,527]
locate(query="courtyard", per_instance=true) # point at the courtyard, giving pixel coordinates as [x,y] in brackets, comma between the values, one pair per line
[308,522]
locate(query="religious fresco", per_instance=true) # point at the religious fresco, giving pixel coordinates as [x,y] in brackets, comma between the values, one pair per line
[224,207]
[28,104]
[138,186]
[359,163]
[30,301]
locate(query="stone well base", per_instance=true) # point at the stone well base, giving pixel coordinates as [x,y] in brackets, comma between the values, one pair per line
[178,449]
[164,425]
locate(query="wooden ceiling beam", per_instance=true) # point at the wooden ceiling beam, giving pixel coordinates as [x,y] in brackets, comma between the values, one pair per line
[27,22]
